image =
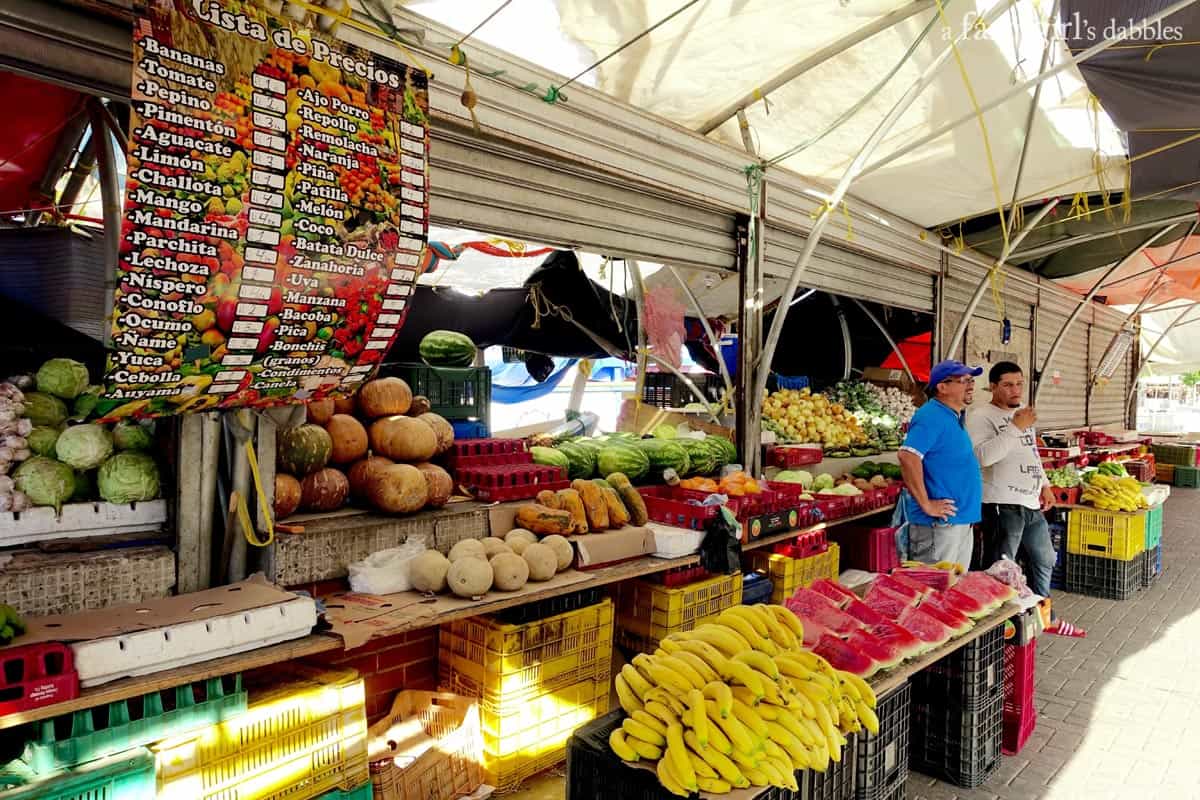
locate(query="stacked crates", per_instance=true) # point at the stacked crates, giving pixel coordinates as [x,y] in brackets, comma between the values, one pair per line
[1183,455]
[1104,550]
[463,395]
[536,682]
[125,776]
[646,611]
[881,763]
[788,574]
[1152,556]
[1187,477]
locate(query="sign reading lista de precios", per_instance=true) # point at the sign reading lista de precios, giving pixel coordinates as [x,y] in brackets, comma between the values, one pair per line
[275,212]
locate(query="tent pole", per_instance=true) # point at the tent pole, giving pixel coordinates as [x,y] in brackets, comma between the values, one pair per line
[852,172]
[895,348]
[110,201]
[847,344]
[708,331]
[1054,247]
[1032,117]
[1084,301]
[1161,338]
[1157,268]
[960,330]
[1023,87]
[639,300]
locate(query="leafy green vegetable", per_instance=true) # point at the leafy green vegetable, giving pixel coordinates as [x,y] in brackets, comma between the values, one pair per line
[45,409]
[62,377]
[822,482]
[84,447]
[130,435]
[41,440]
[800,476]
[45,482]
[128,478]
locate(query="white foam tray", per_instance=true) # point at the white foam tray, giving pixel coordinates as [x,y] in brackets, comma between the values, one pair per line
[102,660]
[670,542]
[81,519]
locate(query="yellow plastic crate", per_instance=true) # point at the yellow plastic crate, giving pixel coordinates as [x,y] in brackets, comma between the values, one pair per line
[674,607]
[644,635]
[1116,535]
[508,772]
[789,574]
[298,740]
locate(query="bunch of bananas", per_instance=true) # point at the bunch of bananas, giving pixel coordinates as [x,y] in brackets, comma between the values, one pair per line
[736,703]
[1110,493]
[949,566]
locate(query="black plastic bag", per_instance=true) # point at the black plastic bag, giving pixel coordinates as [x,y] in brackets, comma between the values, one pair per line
[721,550]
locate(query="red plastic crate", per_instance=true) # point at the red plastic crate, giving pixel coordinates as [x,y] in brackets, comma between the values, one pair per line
[1140,469]
[744,507]
[811,543]
[36,675]
[488,453]
[1065,496]
[681,576]
[792,456]
[512,481]
[1020,714]
[866,548]
[664,505]
[1095,437]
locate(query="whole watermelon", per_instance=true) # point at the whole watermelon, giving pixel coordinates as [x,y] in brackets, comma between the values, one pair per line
[665,454]
[623,458]
[713,443]
[447,349]
[731,455]
[581,461]
[703,458]
[593,445]
[548,456]
[303,449]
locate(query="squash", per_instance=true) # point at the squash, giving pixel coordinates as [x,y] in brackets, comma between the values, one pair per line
[441,429]
[542,561]
[633,503]
[287,495]
[302,449]
[493,546]
[403,438]
[428,571]
[618,515]
[593,504]
[548,498]
[384,397]
[345,405]
[360,474]
[349,439]
[509,571]
[319,411]
[543,520]
[520,538]
[398,489]
[573,503]
[324,490]
[420,405]
[438,482]
[467,548]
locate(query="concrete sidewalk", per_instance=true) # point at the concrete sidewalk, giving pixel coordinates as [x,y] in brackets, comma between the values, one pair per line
[1119,711]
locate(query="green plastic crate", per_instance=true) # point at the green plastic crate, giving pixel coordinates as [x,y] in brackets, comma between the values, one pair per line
[456,393]
[1154,527]
[363,792]
[1177,454]
[1187,477]
[125,776]
[72,739]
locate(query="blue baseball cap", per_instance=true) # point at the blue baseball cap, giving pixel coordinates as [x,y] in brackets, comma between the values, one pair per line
[951,369]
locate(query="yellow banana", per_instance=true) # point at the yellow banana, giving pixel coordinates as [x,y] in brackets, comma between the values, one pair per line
[668,780]
[714,785]
[799,699]
[650,721]
[629,699]
[717,740]
[718,761]
[636,681]
[787,772]
[664,676]
[753,722]
[697,663]
[757,777]
[644,749]
[737,671]
[721,694]
[759,661]
[637,730]
[739,736]
[746,696]
[868,717]
[767,712]
[797,729]
[699,765]
[666,698]
[770,689]
[864,689]
[777,632]
[723,638]
[747,614]
[616,742]
[793,667]
[789,620]
[670,645]
[746,761]
[677,754]
[811,660]
[699,716]
[744,629]
[774,776]
[661,714]
[848,689]
[791,745]
[681,668]
[711,655]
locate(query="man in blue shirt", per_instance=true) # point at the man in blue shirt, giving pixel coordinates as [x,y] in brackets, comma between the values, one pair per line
[941,471]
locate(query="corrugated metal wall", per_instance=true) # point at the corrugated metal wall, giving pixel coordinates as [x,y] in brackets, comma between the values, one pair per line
[1062,397]
[1106,405]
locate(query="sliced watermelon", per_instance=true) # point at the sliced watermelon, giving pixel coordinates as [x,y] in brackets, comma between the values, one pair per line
[839,594]
[981,582]
[955,620]
[912,584]
[813,631]
[864,613]
[843,656]
[934,578]
[806,603]
[966,603]
[913,593]
[889,604]
[924,626]
[905,642]
[886,654]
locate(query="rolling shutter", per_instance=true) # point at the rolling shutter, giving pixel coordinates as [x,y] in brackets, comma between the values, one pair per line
[81,50]
[1106,405]
[1062,397]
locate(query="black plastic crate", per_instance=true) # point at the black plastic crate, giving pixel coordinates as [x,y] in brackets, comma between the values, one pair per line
[519,615]
[881,764]
[665,390]
[1103,577]
[1151,565]
[835,783]
[756,588]
[456,393]
[594,773]
[956,745]
[1058,538]
[969,678]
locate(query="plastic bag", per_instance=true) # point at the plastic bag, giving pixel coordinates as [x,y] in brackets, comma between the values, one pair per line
[386,571]
[721,550]
[1009,572]
[900,523]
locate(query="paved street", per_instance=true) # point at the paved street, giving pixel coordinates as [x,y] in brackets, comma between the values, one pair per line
[1119,711]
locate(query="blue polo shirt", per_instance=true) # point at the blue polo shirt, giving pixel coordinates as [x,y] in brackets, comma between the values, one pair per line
[938,435]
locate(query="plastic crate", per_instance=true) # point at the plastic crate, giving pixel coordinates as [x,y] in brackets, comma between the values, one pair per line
[1187,477]
[881,763]
[1020,714]
[1140,469]
[125,776]
[36,675]
[509,661]
[836,782]
[756,588]
[428,747]
[809,543]
[551,606]
[665,390]
[453,392]
[1103,577]
[648,612]
[1151,566]
[955,745]
[1116,535]
[793,456]
[469,429]
[862,547]
[1174,454]
[73,739]
[1066,495]
[969,678]
[364,792]
[1095,437]
[789,574]
[680,576]
[511,482]
[304,734]
[1058,539]
[1154,527]
[665,506]
[488,452]
[1165,473]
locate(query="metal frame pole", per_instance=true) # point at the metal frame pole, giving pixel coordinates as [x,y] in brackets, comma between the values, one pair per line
[1062,333]
[1161,338]
[708,331]
[1054,247]
[1023,87]
[110,202]
[887,336]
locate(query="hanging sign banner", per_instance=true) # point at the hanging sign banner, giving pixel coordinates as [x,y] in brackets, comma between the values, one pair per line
[276,209]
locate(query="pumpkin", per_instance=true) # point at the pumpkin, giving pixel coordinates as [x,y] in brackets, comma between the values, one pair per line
[349,439]
[441,429]
[324,490]
[384,397]
[319,411]
[439,483]
[302,449]
[398,489]
[287,495]
[403,438]
[420,405]
[345,405]
[360,474]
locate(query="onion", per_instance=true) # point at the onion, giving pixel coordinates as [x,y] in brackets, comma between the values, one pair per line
[6,484]
[22,454]
[6,502]
[20,501]
[24,427]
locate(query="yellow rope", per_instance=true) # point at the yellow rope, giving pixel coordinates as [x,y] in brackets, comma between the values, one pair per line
[347,19]
[264,507]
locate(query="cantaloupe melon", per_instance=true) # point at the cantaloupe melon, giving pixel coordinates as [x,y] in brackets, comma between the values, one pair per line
[467,548]
[542,561]
[562,550]
[509,572]
[493,546]
[470,577]
[427,571]
[519,538]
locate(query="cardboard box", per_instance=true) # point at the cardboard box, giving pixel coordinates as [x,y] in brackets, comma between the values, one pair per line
[591,549]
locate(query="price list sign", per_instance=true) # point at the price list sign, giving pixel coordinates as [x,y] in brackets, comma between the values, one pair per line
[276,208]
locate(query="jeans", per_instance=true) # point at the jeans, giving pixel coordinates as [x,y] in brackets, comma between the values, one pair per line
[1009,529]
[933,543]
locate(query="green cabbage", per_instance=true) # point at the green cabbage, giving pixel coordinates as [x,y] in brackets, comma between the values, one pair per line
[45,409]
[41,440]
[128,478]
[84,446]
[45,482]
[130,435]
[844,490]
[86,402]
[822,482]
[84,481]
[62,377]
[800,476]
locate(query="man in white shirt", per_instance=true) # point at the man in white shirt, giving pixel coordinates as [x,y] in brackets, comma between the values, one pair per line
[1016,492]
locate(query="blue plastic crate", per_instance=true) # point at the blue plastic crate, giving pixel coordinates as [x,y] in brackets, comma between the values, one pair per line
[469,429]
[1058,538]
[756,588]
